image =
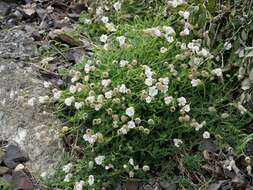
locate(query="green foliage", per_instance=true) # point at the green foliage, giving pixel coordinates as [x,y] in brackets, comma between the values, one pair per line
[162,137]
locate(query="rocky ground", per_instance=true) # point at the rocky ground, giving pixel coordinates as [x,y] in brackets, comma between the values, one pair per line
[29,136]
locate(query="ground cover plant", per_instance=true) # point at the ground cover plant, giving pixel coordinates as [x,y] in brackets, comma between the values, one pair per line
[165,78]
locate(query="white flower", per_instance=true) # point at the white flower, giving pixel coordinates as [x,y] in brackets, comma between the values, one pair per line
[163,50]
[99,160]
[145,168]
[123,63]
[186,108]
[206,135]
[185,32]
[105,19]
[47,84]
[87,68]
[72,89]
[123,89]
[130,111]
[68,177]
[98,107]
[175,3]
[99,10]
[164,80]
[56,94]
[108,94]
[91,180]
[103,38]
[117,6]
[169,39]
[121,40]
[227,45]
[69,101]
[148,99]
[131,161]
[76,77]
[184,14]
[87,21]
[31,101]
[217,72]
[181,101]
[168,100]
[90,138]
[153,31]
[177,142]
[152,91]
[195,82]
[110,27]
[131,124]
[169,30]
[43,99]
[79,185]
[149,81]
[67,168]
[78,105]
[106,82]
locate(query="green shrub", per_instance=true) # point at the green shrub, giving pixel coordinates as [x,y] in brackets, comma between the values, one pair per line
[149,97]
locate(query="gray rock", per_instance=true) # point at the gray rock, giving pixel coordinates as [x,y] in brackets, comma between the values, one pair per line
[33,128]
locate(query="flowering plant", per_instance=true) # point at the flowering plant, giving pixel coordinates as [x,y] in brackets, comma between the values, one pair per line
[146,100]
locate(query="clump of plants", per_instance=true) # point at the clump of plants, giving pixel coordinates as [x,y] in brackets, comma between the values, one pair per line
[153,92]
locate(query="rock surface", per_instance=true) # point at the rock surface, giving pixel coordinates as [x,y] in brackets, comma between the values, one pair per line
[23,120]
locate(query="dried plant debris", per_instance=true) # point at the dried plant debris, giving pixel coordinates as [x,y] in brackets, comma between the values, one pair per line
[232,171]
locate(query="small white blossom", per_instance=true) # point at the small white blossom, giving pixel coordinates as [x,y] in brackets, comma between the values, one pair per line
[153,31]
[123,89]
[79,185]
[168,100]
[145,168]
[69,101]
[177,142]
[227,45]
[131,161]
[72,89]
[181,101]
[117,6]
[103,38]
[47,84]
[123,63]
[149,81]
[184,14]
[152,91]
[105,19]
[148,99]
[186,108]
[169,30]
[110,27]
[195,82]
[91,180]
[106,82]
[67,168]
[131,124]
[108,94]
[31,101]
[78,105]
[185,32]
[163,50]
[217,72]
[130,111]
[99,160]
[56,94]
[68,177]
[206,135]
[121,40]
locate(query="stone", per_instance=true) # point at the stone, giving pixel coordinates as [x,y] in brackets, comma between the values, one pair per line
[35,133]
[19,167]
[21,181]
[3,170]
